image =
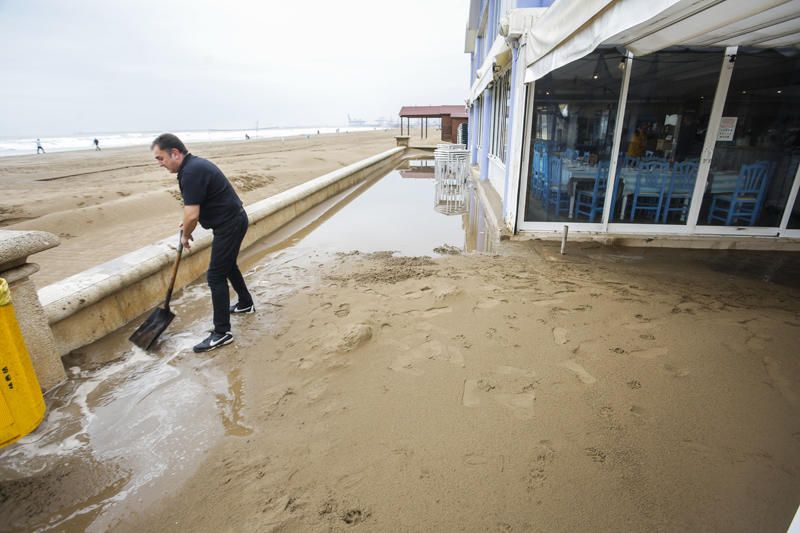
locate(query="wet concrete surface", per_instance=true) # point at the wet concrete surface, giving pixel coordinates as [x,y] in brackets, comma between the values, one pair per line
[772,267]
[129,426]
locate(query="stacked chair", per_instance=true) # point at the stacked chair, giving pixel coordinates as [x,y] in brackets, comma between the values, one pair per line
[452,178]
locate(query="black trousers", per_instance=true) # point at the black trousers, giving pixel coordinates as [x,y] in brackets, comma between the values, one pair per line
[223,267]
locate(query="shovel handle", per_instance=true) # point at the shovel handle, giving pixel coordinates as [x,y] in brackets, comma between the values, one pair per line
[174,270]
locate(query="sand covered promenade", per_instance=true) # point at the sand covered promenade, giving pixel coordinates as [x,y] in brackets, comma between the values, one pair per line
[611,390]
[518,390]
[105,204]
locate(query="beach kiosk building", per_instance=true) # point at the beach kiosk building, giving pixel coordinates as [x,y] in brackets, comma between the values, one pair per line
[677,119]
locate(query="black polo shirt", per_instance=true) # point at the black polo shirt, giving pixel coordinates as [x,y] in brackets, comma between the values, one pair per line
[203,184]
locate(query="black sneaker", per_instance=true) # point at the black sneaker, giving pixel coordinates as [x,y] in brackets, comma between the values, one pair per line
[237,310]
[214,341]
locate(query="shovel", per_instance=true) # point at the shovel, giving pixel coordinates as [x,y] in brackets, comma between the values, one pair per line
[157,322]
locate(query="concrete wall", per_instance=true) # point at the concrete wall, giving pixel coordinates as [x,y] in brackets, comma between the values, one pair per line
[15,248]
[87,306]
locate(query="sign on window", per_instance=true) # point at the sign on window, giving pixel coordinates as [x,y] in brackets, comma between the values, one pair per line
[727,126]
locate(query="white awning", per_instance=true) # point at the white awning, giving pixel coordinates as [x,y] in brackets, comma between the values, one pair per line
[645,26]
[498,55]
[594,21]
[758,23]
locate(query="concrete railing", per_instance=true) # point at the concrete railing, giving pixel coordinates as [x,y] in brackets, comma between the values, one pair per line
[15,248]
[89,305]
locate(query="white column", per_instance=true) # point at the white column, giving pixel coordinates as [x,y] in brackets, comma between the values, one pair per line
[787,212]
[720,96]
[527,141]
[618,126]
[514,172]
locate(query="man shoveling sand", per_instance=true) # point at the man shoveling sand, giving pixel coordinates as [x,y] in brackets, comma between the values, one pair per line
[209,199]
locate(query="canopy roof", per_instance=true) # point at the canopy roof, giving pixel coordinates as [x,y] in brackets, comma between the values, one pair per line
[571,29]
[433,111]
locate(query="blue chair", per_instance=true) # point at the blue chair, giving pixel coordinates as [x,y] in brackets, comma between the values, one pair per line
[628,162]
[654,165]
[590,203]
[648,193]
[555,193]
[537,178]
[681,187]
[746,201]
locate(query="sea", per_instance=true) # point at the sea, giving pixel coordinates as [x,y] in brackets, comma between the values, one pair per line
[85,141]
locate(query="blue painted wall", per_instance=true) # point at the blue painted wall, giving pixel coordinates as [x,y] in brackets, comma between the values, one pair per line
[534,3]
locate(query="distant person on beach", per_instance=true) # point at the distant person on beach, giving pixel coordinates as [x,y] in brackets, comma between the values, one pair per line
[246,137]
[39,147]
[96,145]
[209,198]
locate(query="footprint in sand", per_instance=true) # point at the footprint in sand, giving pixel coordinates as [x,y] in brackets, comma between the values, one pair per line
[509,387]
[429,312]
[419,348]
[676,372]
[542,456]
[597,455]
[342,311]
[488,303]
[638,411]
[560,335]
[650,353]
[417,293]
[585,377]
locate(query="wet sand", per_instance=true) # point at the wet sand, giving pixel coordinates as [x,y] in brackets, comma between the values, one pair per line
[105,204]
[604,391]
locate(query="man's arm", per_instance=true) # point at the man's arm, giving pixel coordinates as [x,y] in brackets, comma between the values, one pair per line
[191,214]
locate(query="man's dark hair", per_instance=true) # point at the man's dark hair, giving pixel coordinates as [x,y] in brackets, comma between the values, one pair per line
[168,141]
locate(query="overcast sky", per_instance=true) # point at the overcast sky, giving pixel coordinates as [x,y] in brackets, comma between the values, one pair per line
[99,65]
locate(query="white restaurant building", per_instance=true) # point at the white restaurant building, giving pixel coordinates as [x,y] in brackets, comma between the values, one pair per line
[639,117]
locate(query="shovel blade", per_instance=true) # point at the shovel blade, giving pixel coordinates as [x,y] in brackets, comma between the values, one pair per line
[148,332]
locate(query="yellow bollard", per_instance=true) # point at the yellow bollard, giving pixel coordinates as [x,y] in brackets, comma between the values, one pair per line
[21,401]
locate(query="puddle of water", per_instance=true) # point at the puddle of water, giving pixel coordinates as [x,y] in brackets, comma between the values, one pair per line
[396,213]
[130,425]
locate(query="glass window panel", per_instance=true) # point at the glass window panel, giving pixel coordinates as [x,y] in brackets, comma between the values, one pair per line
[794,218]
[666,117]
[575,108]
[758,147]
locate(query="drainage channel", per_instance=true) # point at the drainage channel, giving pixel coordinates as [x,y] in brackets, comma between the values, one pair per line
[130,426]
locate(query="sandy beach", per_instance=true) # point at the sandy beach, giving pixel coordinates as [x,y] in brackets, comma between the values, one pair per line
[608,390]
[105,204]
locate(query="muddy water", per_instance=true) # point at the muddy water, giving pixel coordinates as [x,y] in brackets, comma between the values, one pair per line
[130,426]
